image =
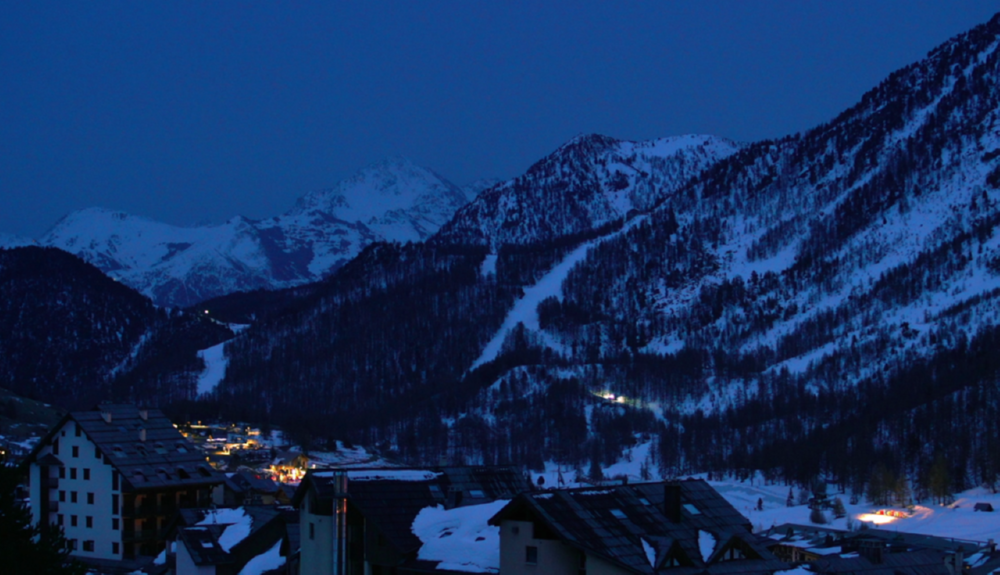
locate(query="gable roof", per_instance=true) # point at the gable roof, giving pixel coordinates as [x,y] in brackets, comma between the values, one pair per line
[390,498]
[143,445]
[630,525]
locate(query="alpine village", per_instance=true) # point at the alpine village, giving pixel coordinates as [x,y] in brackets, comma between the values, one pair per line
[680,356]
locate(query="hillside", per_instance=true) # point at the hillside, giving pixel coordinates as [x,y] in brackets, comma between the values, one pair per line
[810,304]
[74,337]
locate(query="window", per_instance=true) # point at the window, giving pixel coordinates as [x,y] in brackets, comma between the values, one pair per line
[72,496]
[477,493]
[114,548]
[90,498]
[86,474]
[71,543]
[114,524]
[312,531]
[88,545]
[618,513]
[114,504]
[531,555]
[72,473]
[77,430]
[72,520]
[515,530]
[691,509]
[97,453]
[62,496]
[89,522]
[76,451]
[55,446]
[59,519]
[114,480]
[62,473]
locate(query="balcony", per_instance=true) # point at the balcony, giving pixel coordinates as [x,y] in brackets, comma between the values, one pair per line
[149,509]
[139,536]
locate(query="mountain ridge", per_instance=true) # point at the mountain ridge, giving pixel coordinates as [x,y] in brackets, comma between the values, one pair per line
[390,200]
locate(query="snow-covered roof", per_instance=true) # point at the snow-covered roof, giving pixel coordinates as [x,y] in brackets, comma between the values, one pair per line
[461,539]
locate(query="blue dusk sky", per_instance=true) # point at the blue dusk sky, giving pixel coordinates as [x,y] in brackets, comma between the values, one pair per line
[193,112]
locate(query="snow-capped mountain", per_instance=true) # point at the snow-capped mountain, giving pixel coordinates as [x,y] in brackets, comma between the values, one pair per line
[393,200]
[587,183]
[807,305]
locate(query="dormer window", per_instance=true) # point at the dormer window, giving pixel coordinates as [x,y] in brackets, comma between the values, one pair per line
[181,448]
[182,473]
[138,477]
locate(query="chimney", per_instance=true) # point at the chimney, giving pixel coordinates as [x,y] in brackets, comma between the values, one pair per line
[672,501]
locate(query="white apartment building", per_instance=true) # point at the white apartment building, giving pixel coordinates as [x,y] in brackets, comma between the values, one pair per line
[113,477]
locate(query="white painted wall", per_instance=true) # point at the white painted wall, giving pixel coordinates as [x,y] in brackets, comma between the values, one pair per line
[554,557]
[99,484]
[317,552]
[185,564]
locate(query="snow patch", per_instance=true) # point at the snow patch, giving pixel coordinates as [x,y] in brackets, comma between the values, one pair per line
[215,368]
[266,561]
[706,543]
[461,539]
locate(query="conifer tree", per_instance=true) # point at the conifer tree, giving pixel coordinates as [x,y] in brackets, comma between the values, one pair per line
[36,549]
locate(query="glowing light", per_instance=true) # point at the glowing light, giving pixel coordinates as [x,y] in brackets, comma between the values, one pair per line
[876,518]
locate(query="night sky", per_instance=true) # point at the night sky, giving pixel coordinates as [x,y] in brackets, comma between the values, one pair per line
[193,112]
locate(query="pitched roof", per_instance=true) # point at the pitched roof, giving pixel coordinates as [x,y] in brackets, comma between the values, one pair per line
[143,445]
[202,543]
[922,562]
[629,525]
[390,498]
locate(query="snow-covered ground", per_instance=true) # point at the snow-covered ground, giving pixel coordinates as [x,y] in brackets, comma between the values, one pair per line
[215,368]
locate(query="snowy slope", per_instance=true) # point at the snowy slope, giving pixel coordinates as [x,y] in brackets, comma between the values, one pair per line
[587,183]
[393,200]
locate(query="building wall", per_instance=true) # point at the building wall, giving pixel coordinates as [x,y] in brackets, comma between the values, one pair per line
[316,533]
[79,458]
[186,566]
[554,557]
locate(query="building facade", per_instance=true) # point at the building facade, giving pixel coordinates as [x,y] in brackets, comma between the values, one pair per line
[113,477]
